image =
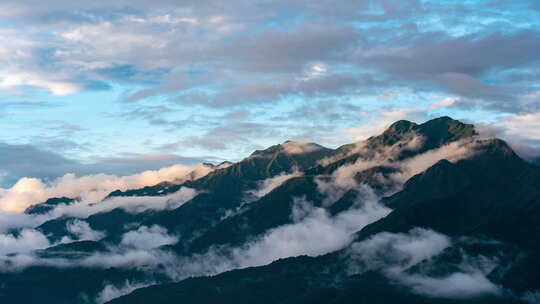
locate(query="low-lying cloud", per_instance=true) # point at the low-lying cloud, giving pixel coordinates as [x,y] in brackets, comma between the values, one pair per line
[132,204]
[92,188]
[110,291]
[82,231]
[300,147]
[26,241]
[343,179]
[393,254]
[313,232]
[266,186]
[148,238]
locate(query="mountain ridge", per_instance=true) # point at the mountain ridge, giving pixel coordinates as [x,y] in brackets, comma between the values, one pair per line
[436,181]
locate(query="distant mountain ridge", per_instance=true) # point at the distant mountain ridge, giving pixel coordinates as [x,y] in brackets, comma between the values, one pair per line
[490,170]
[431,182]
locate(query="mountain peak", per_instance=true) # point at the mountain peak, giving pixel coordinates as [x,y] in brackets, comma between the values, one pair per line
[496,147]
[401,126]
[436,132]
[291,147]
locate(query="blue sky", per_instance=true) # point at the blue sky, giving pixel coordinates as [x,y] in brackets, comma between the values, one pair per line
[121,86]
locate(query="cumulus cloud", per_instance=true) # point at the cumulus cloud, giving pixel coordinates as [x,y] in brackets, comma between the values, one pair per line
[91,188]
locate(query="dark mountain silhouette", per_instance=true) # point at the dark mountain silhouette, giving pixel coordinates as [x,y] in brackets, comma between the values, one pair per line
[485,204]
[491,196]
[48,205]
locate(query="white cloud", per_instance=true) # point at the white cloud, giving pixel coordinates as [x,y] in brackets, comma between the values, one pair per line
[314,233]
[522,126]
[531,297]
[458,285]
[13,79]
[90,188]
[396,250]
[343,179]
[452,152]
[83,231]
[148,238]
[443,103]
[394,253]
[110,291]
[26,241]
[266,186]
[300,147]
[379,121]
[132,204]
[15,220]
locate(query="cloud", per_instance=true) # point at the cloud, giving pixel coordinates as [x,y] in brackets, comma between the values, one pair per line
[266,186]
[110,291]
[531,297]
[343,178]
[395,253]
[452,152]
[148,238]
[396,250]
[313,233]
[327,51]
[376,124]
[458,285]
[90,188]
[519,130]
[82,231]
[26,241]
[472,59]
[136,250]
[299,147]
[57,88]
[16,220]
[43,162]
[169,55]
[132,204]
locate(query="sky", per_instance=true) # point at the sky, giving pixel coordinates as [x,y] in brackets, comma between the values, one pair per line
[122,86]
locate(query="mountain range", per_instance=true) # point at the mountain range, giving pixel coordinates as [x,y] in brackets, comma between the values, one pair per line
[422,213]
